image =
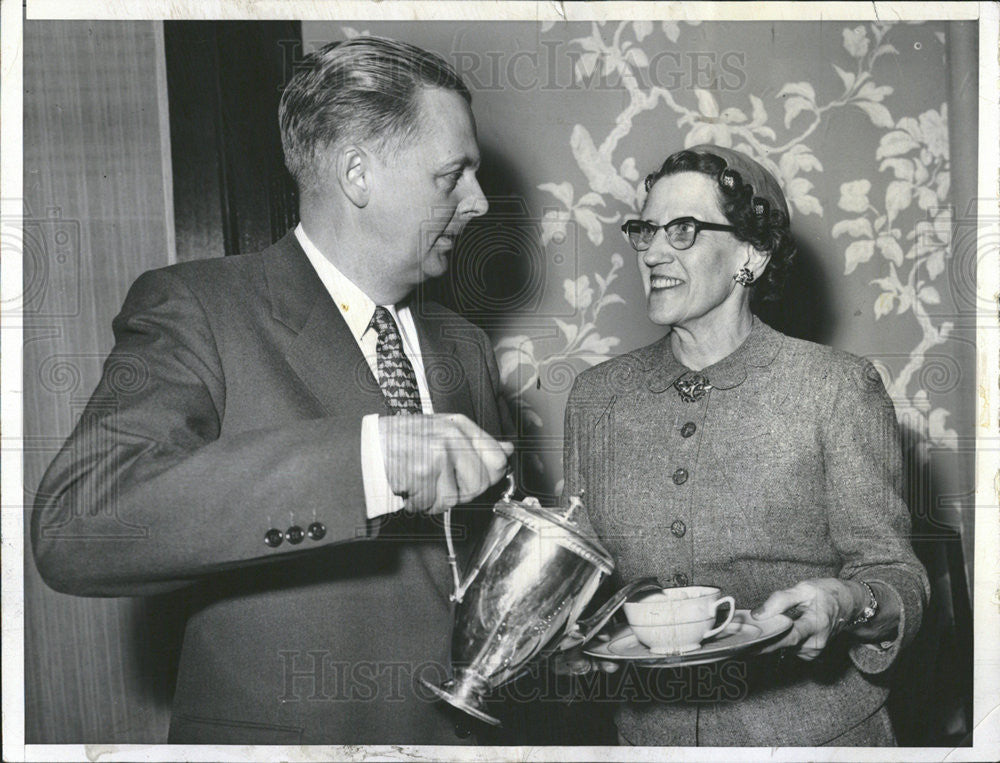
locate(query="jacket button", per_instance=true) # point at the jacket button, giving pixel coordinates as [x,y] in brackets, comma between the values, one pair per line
[462,731]
[678,528]
[681,579]
[688,429]
[273,537]
[316,531]
[680,476]
[295,534]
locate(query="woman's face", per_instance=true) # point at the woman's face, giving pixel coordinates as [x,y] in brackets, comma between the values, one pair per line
[690,285]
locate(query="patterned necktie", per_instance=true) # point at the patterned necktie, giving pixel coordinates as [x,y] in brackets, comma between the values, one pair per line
[395,372]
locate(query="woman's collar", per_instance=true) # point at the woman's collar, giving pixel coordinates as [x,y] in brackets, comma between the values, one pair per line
[758,350]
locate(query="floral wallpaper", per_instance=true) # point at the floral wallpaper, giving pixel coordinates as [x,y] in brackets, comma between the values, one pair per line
[851,117]
[892,227]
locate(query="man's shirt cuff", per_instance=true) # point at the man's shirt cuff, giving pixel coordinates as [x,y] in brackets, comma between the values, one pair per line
[379,498]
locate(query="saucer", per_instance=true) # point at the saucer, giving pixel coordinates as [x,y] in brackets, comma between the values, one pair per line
[741,634]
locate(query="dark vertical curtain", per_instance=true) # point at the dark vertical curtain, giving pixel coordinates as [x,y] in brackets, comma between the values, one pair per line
[232,193]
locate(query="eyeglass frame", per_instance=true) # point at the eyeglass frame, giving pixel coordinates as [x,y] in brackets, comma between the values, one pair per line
[699,226]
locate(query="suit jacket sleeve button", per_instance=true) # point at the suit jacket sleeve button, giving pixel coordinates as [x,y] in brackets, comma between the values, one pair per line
[273,537]
[680,476]
[681,579]
[678,528]
[462,731]
[294,534]
[317,531]
[688,429]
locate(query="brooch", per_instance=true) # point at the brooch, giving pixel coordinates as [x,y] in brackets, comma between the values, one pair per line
[692,388]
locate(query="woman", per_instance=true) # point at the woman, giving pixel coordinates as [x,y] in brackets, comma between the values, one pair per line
[729,454]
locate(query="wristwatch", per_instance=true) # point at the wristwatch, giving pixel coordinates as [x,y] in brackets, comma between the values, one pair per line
[870,610]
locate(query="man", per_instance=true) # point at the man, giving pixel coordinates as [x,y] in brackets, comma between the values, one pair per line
[243,442]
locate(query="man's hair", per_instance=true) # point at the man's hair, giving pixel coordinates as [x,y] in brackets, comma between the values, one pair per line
[365,89]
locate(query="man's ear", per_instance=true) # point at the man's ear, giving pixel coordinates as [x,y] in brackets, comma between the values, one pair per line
[354,174]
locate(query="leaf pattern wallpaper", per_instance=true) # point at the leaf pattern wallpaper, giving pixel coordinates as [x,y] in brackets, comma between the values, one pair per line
[853,119]
[901,214]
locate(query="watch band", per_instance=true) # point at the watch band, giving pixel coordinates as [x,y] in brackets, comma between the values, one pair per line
[869,612]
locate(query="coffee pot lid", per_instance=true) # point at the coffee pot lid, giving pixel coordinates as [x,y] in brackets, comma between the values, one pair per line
[558,526]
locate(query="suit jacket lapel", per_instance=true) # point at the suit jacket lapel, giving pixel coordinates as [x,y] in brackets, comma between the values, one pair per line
[323,353]
[326,357]
[446,375]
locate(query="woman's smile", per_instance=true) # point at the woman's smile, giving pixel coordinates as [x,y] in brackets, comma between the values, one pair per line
[661,283]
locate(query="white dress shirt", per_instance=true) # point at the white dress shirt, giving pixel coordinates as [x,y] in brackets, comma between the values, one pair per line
[357,308]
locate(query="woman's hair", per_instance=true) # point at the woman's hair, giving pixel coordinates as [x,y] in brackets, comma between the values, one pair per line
[363,89]
[758,221]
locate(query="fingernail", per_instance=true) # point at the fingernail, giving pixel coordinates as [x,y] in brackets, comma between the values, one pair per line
[755,613]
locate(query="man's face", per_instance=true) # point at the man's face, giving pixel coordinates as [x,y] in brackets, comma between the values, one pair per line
[424,194]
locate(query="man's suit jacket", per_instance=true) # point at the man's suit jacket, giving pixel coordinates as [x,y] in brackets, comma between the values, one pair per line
[231,405]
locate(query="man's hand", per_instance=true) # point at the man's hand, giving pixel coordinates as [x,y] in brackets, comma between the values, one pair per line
[440,460]
[820,607]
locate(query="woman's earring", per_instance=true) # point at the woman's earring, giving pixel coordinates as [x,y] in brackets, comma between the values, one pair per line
[744,277]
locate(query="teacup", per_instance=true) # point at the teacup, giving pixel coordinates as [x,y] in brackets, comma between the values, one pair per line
[677,620]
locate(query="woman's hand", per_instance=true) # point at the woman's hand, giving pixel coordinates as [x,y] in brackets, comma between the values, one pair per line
[573,662]
[820,608]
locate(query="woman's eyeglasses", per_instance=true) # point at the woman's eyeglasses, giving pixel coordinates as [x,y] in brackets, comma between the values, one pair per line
[681,233]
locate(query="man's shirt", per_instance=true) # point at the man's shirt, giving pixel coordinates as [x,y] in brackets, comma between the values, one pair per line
[357,309]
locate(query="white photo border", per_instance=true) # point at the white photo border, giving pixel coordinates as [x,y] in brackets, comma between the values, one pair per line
[986,693]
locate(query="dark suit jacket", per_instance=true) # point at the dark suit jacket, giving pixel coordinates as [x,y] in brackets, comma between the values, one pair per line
[231,404]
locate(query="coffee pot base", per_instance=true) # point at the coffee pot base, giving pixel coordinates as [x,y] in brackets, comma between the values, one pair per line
[461,699]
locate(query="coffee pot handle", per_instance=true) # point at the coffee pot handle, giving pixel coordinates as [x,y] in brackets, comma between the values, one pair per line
[459,592]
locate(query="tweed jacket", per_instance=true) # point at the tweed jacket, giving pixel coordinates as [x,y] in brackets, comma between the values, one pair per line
[789,468]
[221,451]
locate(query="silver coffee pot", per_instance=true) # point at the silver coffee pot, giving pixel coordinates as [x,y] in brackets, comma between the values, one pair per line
[530,578]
